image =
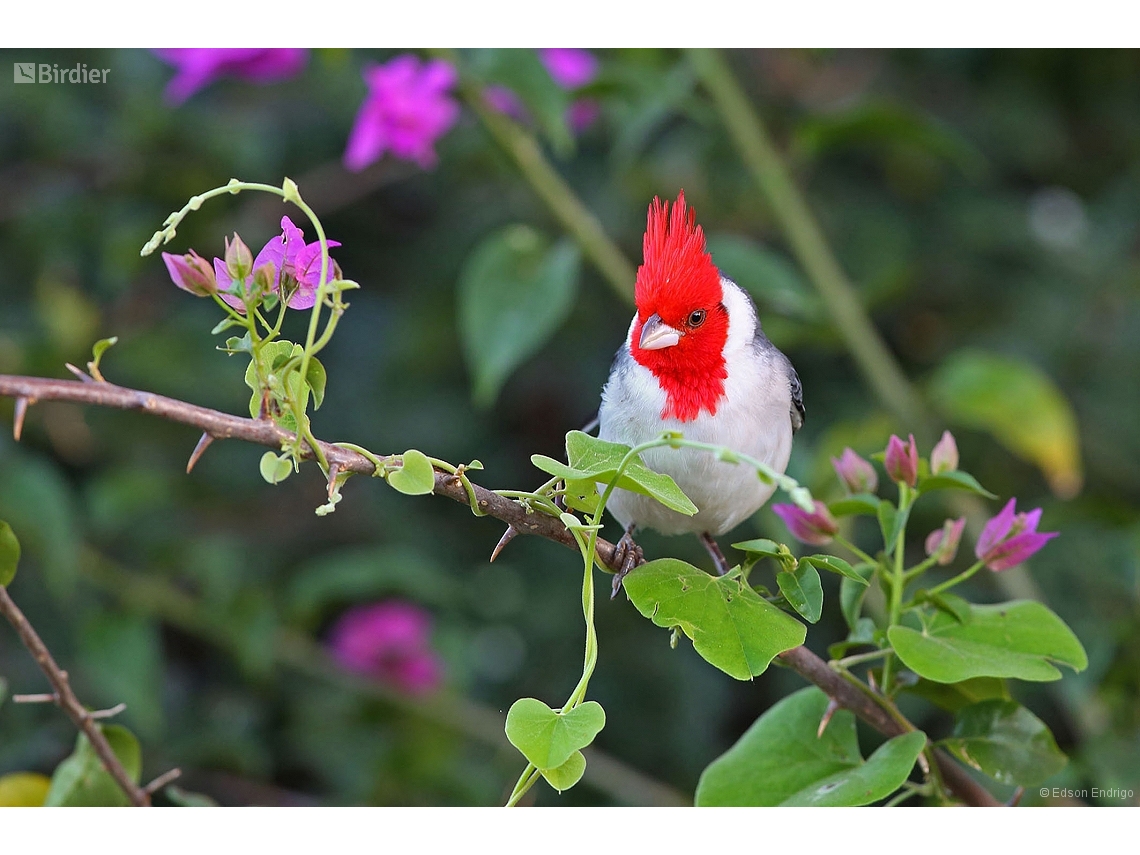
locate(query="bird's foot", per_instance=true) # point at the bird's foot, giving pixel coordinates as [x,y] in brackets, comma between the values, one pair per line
[717,556]
[627,555]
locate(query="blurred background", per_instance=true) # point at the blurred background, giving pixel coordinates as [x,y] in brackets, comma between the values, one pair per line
[985,206]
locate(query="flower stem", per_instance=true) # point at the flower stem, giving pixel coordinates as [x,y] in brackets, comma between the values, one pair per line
[898,582]
[846,544]
[961,577]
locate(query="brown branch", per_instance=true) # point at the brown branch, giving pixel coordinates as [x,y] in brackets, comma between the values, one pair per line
[67,701]
[265,432]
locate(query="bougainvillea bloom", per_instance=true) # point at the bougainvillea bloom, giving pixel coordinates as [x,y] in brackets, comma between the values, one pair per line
[1010,538]
[901,460]
[571,68]
[942,543]
[815,528]
[407,109]
[857,474]
[944,457]
[391,642]
[199,67]
[192,273]
[297,264]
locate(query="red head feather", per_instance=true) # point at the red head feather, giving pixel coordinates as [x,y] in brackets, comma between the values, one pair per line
[676,279]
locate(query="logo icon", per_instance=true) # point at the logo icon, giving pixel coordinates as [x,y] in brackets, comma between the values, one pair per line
[24,72]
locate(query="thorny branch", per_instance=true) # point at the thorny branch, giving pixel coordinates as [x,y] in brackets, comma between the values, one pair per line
[216,425]
[70,704]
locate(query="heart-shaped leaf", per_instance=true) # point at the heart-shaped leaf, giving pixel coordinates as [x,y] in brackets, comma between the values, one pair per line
[1019,639]
[416,477]
[548,738]
[275,469]
[1007,742]
[781,761]
[9,554]
[803,590]
[568,774]
[731,626]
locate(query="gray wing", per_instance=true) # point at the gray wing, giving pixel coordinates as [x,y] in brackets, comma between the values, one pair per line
[797,410]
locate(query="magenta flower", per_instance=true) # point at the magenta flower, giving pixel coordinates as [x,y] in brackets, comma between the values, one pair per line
[571,68]
[192,273]
[407,109]
[1010,538]
[297,265]
[942,543]
[504,100]
[199,67]
[944,457]
[857,474]
[391,642]
[815,528]
[901,461]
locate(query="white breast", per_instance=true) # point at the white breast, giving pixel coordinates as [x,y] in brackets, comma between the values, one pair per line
[752,418]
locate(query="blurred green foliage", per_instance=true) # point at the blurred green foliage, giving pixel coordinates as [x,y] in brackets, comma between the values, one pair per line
[985,204]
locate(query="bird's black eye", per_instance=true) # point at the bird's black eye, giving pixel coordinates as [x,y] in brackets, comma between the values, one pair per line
[697,318]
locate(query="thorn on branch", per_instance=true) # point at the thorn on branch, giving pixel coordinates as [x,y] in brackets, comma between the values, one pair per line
[21,411]
[334,469]
[107,713]
[510,534]
[162,780]
[199,450]
[41,698]
[80,373]
[923,764]
[832,706]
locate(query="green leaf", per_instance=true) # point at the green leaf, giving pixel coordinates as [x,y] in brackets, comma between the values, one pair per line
[185,798]
[593,459]
[852,593]
[416,477]
[548,738]
[1019,404]
[837,566]
[316,377]
[767,275]
[275,469]
[761,546]
[514,291]
[1007,742]
[781,761]
[99,349]
[9,554]
[81,781]
[568,774]
[1019,639]
[955,696]
[23,789]
[954,480]
[860,503]
[891,523]
[731,626]
[271,357]
[803,589]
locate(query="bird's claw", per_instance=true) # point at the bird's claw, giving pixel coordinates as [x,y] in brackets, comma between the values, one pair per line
[627,555]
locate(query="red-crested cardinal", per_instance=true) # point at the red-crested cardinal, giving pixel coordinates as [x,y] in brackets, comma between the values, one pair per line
[697,362]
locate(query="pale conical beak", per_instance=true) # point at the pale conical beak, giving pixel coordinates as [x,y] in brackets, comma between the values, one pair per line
[656,334]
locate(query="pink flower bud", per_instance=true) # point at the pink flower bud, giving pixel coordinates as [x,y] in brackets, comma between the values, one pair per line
[239,260]
[815,528]
[944,457]
[191,273]
[857,474]
[901,461]
[942,543]
[1010,538]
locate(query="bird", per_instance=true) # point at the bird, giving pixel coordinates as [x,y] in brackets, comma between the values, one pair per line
[696,361]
